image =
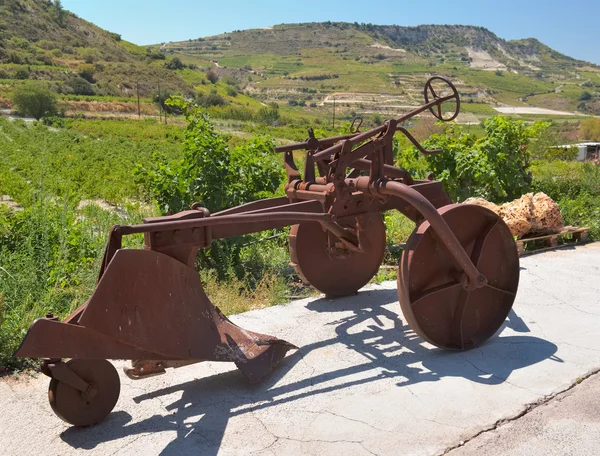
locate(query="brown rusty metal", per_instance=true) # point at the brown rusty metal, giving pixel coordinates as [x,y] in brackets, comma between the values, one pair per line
[84,408]
[434,300]
[472,277]
[167,313]
[457,277]
[321,260]
[144,368]
[429,92]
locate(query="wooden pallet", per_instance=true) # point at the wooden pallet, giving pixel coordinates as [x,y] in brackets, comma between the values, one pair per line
[550,241]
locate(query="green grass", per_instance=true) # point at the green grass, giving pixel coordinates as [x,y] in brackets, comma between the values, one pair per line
[104,98]
[478,108]
[92,160]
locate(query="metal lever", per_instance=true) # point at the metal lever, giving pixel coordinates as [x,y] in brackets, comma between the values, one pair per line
[355,125]
[312,143]
[417,144]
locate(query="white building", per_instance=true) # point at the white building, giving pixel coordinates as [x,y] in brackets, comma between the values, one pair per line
[587,150]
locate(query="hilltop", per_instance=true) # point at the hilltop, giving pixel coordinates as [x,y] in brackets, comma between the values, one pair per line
[302,67]
[388,64]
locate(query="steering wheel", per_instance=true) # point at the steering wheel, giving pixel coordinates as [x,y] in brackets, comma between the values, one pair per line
[436,110]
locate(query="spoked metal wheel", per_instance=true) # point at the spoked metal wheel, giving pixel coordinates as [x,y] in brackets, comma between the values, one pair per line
[321,260]
[84,409]
[435,303]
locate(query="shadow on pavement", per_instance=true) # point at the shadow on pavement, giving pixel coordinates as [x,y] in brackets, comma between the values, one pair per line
[200,415]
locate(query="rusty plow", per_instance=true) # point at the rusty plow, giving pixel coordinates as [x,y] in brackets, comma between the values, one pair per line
[457,277]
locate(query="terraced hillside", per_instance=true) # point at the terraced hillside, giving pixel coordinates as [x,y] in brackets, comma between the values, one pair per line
[378,67]
[304,68]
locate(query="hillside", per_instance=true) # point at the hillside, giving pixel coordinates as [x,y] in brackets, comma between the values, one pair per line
[303,68]
[41,41]
[364,64]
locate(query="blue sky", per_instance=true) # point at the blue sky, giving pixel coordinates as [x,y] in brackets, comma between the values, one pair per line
[570,27]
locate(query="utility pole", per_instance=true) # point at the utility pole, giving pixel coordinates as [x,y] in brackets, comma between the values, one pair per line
[159,103]
[333,112]
[137,86]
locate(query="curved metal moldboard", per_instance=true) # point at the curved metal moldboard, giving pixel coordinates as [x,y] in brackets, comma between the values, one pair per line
[52,339]
[149,300]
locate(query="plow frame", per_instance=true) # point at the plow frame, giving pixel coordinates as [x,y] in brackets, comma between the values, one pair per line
[149,305]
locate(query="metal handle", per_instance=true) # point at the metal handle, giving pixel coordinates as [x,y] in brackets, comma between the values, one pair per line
[417,144]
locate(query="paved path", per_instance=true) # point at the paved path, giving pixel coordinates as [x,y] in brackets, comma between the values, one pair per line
[531,110]
[361,384]
[567,425]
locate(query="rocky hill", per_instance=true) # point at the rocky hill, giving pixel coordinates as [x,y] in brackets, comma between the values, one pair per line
[40,40]
[364,67]
[287,62]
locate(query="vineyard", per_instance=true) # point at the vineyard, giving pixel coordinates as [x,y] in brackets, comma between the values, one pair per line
[64,182]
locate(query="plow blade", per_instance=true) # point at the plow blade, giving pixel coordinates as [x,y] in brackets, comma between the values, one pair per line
[149,306]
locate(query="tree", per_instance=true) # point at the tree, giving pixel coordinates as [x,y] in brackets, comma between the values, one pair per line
[217,175]
[34,99]
[494,167]
[212,76]
[174,64]
[585,96]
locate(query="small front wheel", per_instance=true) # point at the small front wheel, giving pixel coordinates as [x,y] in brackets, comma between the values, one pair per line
[85,409]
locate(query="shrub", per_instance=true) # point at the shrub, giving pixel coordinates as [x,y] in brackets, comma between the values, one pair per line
[86,71]
[590,129]
[494,167]
[88,55]
[217,175]
[174,64]
[231,91]
[228,79]
[155,55]
[575,187]
[268,114]
[161,97]
[233,112]
[212,76]
[210,99]
[80,86]
[22,74]
[34,99]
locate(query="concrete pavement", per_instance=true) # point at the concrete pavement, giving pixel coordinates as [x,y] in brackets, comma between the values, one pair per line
[567,425]
[361,384]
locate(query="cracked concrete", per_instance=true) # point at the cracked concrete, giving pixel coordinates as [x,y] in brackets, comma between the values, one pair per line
[362,382]
[565,424]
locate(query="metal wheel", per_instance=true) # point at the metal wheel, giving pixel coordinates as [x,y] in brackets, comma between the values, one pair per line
[81,409]
[430,291]
[319,260]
